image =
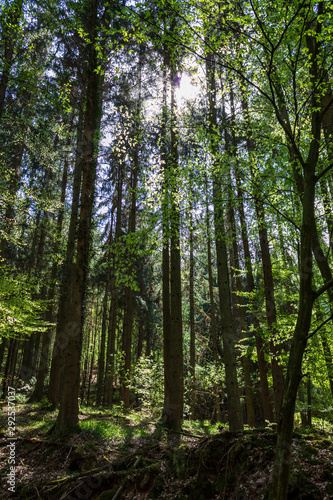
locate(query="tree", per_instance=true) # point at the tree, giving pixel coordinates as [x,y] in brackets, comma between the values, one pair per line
[234,408]
[68,410]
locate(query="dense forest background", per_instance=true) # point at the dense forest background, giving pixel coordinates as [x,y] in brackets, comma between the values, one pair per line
[166,210]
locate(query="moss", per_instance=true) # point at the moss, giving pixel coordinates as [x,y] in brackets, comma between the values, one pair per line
[80,460]
[308,451]
[301,487]
[107,495]
[179,461]
[327,476]
[219,483]
[322,443]
[157,488]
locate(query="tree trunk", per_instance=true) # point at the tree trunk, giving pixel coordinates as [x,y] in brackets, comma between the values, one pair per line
[10,27]
[192,318]
[113,313]
[263,365]
[234,408]
[129,298]
[68,412]
[172,303]
[213,328]
[47,335]
[61,338]
[281,471]
[101,358]
[281,468]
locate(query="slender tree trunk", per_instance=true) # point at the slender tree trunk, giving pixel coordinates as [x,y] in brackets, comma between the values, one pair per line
[239,318]
[309,398]
[47,335]
[262,363]
[129,298]
[192,319]
[234,408]
[92,360]
[140,339]
[6,374]
[10,28]
[213,328]
[86,361]
[101,358]
[172,318]
[281,468]
[113,313]
[328,359]
[236,285]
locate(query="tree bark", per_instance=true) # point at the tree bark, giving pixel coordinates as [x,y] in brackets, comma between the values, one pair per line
[105,307]
[10,27]
[213,328]
[192,319]
[172,299]
[47,335]
[281,468]
[234,408]
[61,337]
[113,313]
[68,412]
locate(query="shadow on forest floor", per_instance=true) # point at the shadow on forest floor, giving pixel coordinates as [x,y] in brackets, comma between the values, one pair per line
[131,455]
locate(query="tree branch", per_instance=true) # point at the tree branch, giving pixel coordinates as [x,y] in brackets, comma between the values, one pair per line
[319,327]
[327,169]
[323,289]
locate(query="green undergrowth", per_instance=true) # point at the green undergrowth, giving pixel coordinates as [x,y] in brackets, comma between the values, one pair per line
[117,448]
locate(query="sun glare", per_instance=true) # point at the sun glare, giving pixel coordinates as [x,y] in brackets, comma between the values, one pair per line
[186,90]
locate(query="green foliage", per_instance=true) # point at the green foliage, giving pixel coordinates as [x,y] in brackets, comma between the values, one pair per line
[20,312]
[148,382]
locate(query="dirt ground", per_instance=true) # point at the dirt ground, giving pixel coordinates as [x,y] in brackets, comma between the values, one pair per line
[221,466]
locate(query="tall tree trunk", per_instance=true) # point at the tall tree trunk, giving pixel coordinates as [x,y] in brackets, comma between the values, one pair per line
[262,364]
[281,469]
[92,360]
[238,314]
[113,313]
[234,408]
[213,328]
[61,337]
[129,297]
[68,411]
[86,361]
[10,28]
[328,359]
[47,335]
[105,306]
[192,319]
[172,301]
[236,285]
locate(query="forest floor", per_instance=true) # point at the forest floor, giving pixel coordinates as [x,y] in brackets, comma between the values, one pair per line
[128,456]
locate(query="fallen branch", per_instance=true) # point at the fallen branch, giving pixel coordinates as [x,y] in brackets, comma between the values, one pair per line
[122,486]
